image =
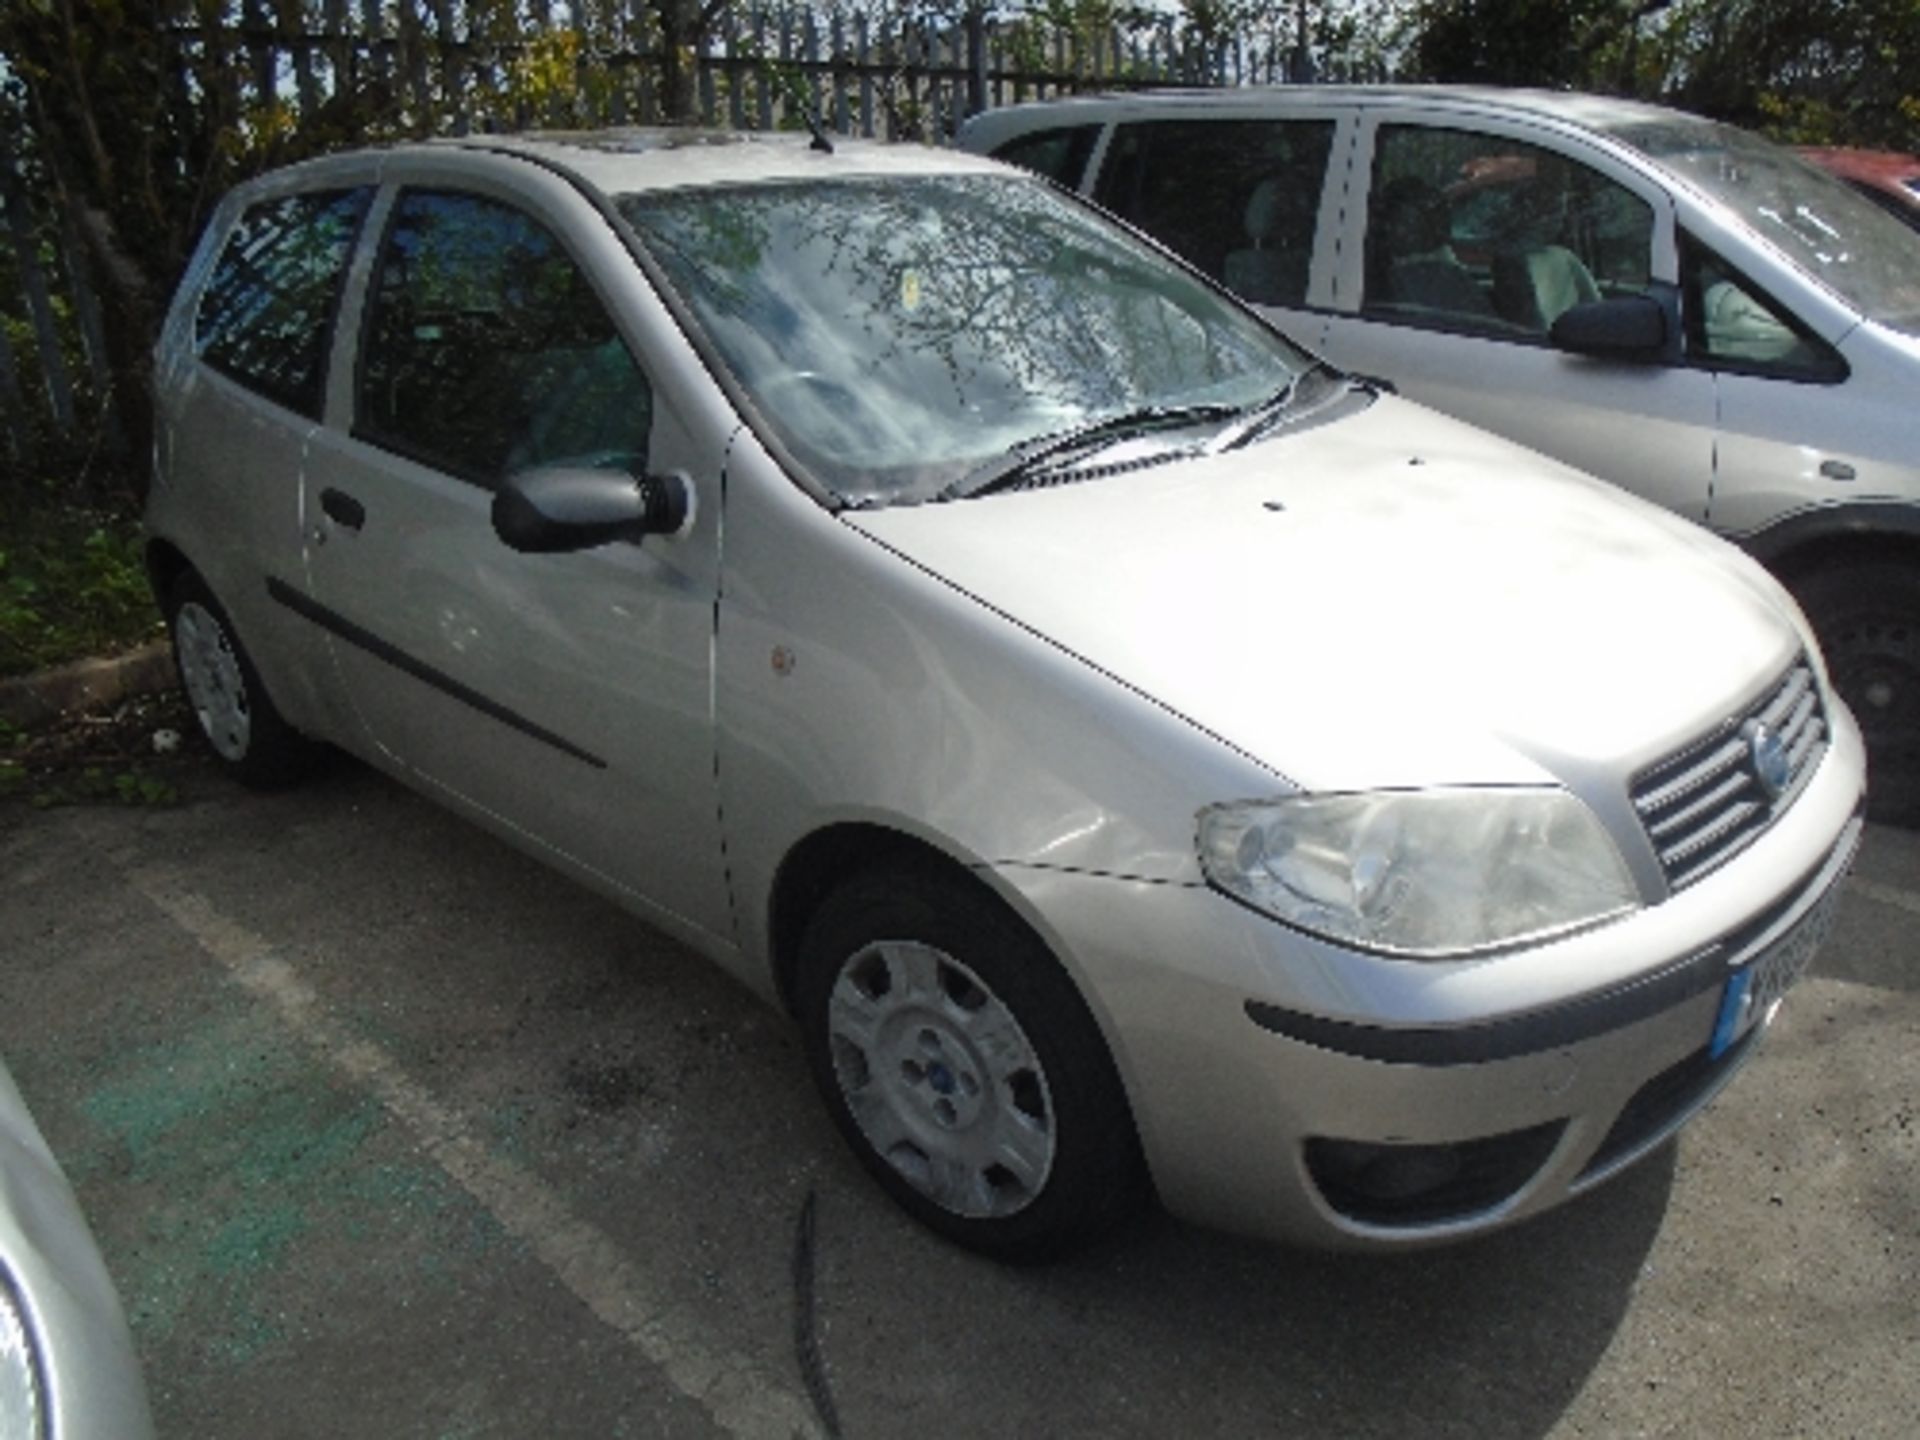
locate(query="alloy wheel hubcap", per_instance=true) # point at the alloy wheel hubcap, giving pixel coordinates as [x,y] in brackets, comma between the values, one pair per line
[210,671]
[941,1079]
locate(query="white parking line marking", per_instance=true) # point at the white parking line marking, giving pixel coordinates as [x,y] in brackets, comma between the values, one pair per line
[1887,894]
[739,1397]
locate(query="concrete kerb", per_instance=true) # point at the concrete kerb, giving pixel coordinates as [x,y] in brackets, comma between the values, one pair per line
[45,695]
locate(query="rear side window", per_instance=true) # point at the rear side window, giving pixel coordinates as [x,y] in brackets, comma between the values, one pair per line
[488,351]
[1237,198]
[1060,155]
[266,316]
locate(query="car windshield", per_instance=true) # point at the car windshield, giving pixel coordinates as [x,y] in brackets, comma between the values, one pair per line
[1856,249]
[898,335]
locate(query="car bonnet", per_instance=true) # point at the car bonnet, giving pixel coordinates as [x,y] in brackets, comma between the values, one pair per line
[1393,599]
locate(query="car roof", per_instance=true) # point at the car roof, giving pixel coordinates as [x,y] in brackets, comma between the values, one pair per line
[629,160]
[1598,112]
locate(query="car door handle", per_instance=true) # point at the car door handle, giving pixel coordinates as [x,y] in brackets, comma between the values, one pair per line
[343,509]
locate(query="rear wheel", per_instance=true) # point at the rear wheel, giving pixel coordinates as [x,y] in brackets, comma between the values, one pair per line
[236,716]
[962,1066]
[1868,619]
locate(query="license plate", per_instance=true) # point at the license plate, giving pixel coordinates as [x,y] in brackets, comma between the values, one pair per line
[1756,987]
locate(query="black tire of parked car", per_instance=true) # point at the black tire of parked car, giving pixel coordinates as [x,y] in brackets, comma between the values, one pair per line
[1096,1176]
[1867,617]
[266,753]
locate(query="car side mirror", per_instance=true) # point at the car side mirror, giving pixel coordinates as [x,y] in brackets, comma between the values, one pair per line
[561,508]
[1626,327]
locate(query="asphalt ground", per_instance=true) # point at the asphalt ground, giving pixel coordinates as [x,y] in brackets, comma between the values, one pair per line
[386,1131]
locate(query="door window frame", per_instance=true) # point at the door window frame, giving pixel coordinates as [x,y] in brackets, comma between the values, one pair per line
[1350,276]
[356,313]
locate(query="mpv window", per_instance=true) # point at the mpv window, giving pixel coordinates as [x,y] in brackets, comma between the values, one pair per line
[487,350]
[1060,155]
[266,317]
[1863,254]
[895,334]
[1732,324]
[1237,198]
[1478,232]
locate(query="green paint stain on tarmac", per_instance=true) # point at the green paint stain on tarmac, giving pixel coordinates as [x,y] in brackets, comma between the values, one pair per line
[252,1335]
[254,1239]
[254,1167]
[246,1100]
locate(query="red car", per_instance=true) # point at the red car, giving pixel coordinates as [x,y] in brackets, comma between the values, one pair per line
[1886,177]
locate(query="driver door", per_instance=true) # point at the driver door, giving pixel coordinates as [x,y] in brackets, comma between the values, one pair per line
[564,697]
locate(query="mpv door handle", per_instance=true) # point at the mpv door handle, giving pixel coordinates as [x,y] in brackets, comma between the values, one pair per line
[343,509]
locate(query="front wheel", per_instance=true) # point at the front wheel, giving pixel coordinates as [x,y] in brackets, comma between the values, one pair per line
[963,1067]
[1867,617]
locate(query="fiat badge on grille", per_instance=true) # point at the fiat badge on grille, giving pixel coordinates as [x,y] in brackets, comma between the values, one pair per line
[1770,759]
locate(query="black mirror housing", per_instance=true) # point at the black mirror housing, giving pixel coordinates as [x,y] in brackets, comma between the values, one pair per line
[563,508]
[1626,327]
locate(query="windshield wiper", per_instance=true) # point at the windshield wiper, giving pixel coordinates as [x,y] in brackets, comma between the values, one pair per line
[1256,419]
[1021,461]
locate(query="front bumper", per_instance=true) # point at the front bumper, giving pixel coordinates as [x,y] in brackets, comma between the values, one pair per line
[1290,1089]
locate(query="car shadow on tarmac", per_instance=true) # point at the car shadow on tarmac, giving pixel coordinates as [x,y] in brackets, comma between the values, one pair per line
[1167,1329]
[1492,1338]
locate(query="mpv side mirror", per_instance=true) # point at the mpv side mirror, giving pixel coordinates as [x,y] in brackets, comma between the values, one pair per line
[568,507]
[1626,327]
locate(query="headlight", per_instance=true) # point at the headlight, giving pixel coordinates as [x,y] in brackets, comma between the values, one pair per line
[1422,873]
[20,1394]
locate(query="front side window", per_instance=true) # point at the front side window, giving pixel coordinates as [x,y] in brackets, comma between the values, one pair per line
[487,351]
[1237,198]
[1477,232]
[1732,324]
[266,316]
[895,334]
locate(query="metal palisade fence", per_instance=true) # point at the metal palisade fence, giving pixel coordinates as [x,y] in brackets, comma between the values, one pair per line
[263,80]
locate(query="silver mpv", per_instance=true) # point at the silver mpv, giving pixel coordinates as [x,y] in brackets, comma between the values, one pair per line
[1133,751]
[1669,303]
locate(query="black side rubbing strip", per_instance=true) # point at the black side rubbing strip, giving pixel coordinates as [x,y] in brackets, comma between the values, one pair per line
[1568,1024]
[344,628]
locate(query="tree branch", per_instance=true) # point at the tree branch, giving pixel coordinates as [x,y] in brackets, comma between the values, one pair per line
[1601,31]
[83,102]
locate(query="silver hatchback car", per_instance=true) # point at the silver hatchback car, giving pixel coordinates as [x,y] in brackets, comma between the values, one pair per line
[68,1370]
[1132,750]
[1672,304]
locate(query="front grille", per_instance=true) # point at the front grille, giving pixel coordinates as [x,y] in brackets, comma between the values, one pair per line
[1704,804]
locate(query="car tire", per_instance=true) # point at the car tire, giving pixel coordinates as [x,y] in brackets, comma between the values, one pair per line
[237,718]
[962,1066]
[1867,618]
